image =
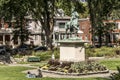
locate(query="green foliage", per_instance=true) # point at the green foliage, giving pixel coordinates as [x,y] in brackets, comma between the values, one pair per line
[105,51]
[46,55]
[110,63]
[101,52]
[77,67]
[99,11]
[84,67]
[53,62]
[116,76]
[56,52]
[14,12]
[67,5]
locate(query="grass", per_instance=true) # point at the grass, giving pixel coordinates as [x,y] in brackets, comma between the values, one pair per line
[46,55]
[15,73]
[39,64]
[12,73]
[111,63]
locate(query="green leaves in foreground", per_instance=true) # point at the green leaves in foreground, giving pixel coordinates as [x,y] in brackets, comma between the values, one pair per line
[116,76]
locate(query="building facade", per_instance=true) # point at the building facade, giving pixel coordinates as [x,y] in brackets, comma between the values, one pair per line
[6,33]
[114,35]
[37,36]
[59,32]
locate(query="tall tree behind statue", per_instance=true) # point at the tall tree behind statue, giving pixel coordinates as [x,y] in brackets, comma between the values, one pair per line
[99,10]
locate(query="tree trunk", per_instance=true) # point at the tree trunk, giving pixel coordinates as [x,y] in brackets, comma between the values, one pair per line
[49,40]
[92,19]
[100,40]
[48,25]
[107,38]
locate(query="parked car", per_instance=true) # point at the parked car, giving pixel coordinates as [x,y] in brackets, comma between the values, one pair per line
[40,48]
[4,50]
[22,49]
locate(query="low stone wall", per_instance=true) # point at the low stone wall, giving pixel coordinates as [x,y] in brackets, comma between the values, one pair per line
[74,74]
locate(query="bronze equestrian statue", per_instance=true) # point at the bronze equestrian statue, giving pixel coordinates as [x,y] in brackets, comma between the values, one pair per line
[73,24]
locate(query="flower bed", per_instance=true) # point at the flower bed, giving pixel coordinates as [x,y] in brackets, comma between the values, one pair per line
[70,68]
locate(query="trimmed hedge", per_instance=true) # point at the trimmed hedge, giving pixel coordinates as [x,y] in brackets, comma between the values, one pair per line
[103,51]
[46,55]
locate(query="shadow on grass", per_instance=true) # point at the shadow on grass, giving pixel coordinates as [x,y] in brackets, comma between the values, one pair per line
[102,79]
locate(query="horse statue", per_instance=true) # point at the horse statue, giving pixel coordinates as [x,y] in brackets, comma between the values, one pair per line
[73,25]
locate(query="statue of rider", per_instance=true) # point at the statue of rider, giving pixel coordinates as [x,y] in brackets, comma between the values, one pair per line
[73,23]
[74,17]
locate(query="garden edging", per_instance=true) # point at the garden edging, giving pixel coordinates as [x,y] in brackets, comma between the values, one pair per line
[75,74]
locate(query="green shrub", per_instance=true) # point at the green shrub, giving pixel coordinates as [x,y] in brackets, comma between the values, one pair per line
[56,53]
[116,76]
[100,52]
[81,67]
[76,67]
[43,55]
[46,55]
[53,62]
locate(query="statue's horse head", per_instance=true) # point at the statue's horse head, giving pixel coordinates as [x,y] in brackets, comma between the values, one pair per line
[72,26]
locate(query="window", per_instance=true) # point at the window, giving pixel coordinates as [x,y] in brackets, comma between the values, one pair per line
[96,38]
[61,25]
[119,25]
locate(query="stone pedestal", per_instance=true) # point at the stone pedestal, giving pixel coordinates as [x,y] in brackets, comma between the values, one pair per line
[72,51]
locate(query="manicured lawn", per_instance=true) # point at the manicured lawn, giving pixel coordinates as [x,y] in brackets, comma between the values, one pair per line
[38,64]
[111,63]
[14,73]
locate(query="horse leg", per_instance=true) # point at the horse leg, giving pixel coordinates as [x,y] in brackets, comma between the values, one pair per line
[66,33]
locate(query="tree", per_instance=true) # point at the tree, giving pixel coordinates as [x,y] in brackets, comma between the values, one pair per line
[44,11]
[17,10]
[99,11]
[67,5]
